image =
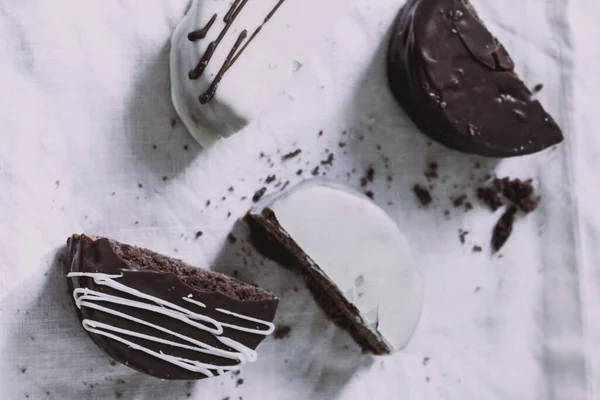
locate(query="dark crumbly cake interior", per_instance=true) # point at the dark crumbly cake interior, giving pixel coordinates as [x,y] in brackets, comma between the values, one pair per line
[202,280]
[270,240]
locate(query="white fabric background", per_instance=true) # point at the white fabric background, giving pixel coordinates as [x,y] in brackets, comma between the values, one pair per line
[84,96]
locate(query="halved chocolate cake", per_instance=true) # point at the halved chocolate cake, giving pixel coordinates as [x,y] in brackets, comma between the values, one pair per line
[353,256]
[456,81]
[161,316]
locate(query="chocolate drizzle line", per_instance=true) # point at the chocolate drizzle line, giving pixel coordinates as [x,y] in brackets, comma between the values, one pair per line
[201,33]
[206,96]
[232,57]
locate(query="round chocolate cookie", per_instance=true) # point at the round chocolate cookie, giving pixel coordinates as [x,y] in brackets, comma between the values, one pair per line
[161,316]
[456,82]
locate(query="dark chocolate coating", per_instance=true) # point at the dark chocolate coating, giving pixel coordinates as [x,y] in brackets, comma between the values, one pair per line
[456,82]
[97,256]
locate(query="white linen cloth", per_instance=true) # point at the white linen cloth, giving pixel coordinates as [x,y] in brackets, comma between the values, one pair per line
[87,145]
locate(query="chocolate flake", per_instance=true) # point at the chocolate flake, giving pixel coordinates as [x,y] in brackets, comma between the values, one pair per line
[291,155]
[270,178]
[503,228]
[259,194]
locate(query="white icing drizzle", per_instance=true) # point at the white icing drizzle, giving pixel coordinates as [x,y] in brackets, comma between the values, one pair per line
[85,297]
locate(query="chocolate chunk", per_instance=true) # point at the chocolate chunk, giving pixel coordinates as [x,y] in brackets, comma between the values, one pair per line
[503,228]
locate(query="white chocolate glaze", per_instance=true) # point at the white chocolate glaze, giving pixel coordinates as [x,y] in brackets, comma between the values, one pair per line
[278,46]
[358,247]
[85,297]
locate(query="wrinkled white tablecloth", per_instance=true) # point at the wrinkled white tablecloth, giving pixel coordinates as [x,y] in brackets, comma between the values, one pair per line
[87,145]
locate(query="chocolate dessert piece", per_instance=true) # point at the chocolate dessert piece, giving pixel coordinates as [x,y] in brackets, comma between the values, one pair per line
[456,81]
[352,255]
[161,316]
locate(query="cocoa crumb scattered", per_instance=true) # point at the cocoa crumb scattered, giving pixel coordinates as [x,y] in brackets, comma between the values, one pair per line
[173,122]
[320,133]
[368,178]
[207,203]
[239,382]
[259,194]
[490,197]
[231,238]
[518,192]
[503,228]
[370,194]
[282,332]
[459,201]
[230,190]
[270,178]
[186,147]
[328,161]
[291,155]
[299,172]
[422,194]
[342,145]
[477,249]
[537,88]
[390,178]
[462,235]
[315,171]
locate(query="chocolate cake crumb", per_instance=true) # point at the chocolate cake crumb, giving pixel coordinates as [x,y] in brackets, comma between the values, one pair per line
[299,172]
[231,189]
[459,201]
[118,395]
[231,238]
[503,228]
[423,195]
[462,235]
[425,361]
[477,249]
[446,212]
[23,370]
[477,164]
[370,194]
[537,88]
[490,197]
[342,144]
[315,171]
[328,161]
[173,122]
[291,155]
[186,147]
[270,178]
[320,133]
[165,178]
[390,178]
[282,332]
[140,185]
[519,192]
[468,206]
[113,363]
[368,178]
[259,194]
[154,147]
[239,382]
